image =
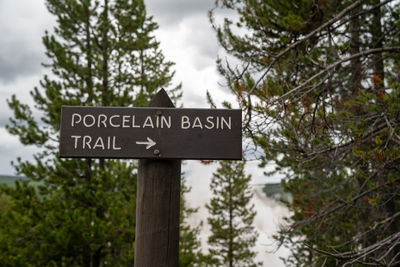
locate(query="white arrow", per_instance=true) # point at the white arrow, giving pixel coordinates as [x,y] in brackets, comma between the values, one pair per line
[149,143]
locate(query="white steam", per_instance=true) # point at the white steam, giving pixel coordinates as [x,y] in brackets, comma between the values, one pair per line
[269,212]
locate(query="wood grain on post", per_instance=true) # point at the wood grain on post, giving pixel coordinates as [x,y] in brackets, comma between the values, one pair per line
[157,206]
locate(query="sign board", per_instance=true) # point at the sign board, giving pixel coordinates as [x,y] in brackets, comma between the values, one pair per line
[165,133]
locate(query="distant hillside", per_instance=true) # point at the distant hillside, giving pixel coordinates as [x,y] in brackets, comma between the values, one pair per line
[10,179]
[276,192]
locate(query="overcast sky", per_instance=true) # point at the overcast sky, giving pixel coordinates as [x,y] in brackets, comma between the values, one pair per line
[186,39]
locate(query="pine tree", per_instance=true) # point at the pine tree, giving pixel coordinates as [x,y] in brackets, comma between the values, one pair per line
[231,217]
[319,84]
[101,53]
[189,242]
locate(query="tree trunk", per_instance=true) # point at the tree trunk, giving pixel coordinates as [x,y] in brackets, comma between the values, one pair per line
[377,42]
[105,97]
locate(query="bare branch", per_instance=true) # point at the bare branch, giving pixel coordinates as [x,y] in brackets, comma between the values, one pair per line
[335,64]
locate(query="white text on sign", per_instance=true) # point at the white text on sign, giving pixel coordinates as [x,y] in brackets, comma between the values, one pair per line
[130,121]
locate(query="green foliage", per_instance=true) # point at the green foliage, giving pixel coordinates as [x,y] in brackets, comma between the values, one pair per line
[231,217]
[319,83]
[82,212]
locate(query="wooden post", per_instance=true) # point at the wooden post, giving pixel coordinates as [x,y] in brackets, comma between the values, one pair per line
[157,206]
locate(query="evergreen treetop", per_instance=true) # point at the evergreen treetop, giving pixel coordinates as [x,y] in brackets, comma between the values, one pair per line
[231,217]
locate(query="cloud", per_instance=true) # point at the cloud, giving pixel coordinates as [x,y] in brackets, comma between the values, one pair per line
[21,86]
[172,12]
[22,24]
[193,46]
[199,35]
[14,64]
[187,24]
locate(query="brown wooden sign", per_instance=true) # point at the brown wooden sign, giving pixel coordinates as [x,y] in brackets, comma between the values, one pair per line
[167,133]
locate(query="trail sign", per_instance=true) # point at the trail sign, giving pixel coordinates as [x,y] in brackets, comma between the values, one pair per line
[152,132]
